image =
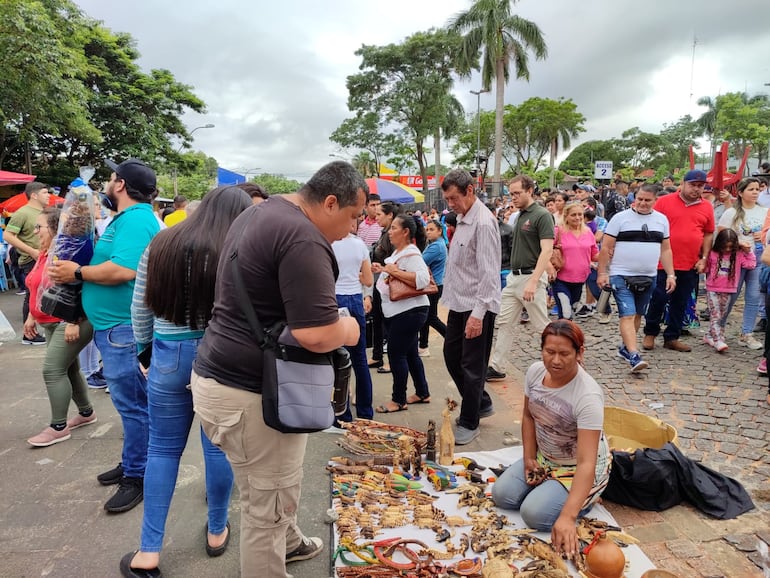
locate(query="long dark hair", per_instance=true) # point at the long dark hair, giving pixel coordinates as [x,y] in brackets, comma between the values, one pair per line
[724,238]
[182,265]
[416,229]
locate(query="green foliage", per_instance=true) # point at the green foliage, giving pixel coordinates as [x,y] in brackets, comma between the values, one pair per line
[743,121]
[531,129]
[490,29]
[464,147]
[73,90]
[408,85]
[580,162]
[195,174]
[277,184]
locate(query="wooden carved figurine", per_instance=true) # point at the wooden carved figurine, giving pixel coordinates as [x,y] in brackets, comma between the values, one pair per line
[447,435]
[430,444]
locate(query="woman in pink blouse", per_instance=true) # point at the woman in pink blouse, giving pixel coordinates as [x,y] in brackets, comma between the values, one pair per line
[578,246]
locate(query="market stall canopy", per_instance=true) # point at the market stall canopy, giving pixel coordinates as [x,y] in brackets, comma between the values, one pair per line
[394,191]
[9,178]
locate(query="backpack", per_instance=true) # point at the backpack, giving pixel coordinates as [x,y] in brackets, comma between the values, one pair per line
[613,205]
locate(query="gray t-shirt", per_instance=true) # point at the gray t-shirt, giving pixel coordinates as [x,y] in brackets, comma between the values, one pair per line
[637,242]
[559,412]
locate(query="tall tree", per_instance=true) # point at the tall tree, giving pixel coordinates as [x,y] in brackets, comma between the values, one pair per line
[408,85]
[503,38]
[476,131]
[365,131]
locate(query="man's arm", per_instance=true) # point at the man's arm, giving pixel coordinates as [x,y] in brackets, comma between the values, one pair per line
[107,273]
[546,250]
[605,255]
[667,260]
[20,245]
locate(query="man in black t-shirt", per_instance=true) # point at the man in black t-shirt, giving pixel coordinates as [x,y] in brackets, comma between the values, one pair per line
[289,269]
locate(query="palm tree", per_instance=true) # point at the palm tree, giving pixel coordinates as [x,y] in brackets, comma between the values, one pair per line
[708,120]
[489,26]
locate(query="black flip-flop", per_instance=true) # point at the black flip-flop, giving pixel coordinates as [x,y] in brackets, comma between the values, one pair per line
[128,572]
[419,400]
[384,409]
[383,370]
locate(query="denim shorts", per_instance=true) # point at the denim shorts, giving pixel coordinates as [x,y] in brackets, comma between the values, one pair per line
[630,303]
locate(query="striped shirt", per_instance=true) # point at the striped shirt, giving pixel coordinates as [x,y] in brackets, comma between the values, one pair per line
[369,232]
[144,323]
[472,278]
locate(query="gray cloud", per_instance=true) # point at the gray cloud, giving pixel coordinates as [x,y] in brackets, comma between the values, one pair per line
[273,76]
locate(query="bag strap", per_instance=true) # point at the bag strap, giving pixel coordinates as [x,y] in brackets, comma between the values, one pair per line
[264,338]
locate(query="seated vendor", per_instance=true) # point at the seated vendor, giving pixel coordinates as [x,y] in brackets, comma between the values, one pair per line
[566,459]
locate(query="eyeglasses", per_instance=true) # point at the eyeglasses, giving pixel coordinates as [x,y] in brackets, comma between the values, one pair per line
[38,227]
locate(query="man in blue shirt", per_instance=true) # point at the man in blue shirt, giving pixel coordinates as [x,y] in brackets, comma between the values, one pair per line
[108,286]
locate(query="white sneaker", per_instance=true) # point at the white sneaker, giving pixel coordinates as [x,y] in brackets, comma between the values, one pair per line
[721,346]
[605,318]
[709,341]
[423,352]
[748,340]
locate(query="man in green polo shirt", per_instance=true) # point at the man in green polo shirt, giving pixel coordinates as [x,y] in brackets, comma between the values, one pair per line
[108,287]
[21,234]
[527,283]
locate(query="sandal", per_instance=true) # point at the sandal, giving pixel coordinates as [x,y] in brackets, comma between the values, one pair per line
[383,369]
[375,363]
[128,572]
[417,399]
[386,409]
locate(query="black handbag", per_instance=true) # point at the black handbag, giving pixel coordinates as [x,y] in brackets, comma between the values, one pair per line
[297,384]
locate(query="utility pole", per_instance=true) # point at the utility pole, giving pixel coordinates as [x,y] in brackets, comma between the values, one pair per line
[180,148]
[478,94]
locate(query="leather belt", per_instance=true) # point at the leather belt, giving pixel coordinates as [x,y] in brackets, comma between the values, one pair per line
[522,271]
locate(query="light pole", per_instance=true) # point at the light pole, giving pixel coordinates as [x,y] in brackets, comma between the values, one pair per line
[478,94]
[180,148]
[246,174]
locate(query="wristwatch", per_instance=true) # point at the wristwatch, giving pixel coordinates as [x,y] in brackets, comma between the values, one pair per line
[79,273]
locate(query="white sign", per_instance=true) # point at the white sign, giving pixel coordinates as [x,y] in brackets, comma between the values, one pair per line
[603,170]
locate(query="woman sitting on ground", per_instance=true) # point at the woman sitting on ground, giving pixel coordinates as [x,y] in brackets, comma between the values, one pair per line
[405,317]
[566,463]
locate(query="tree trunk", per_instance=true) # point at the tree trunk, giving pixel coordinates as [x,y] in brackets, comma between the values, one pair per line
[499,101]
[552,161]
[437,161]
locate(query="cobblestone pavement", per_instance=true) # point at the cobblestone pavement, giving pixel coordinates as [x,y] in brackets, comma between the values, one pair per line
[717,403]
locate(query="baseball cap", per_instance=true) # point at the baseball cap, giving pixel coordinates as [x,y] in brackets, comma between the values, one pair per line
[135,173]
[695,177]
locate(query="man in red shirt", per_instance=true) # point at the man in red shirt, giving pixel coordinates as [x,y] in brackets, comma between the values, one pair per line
[369,230]
[691,220]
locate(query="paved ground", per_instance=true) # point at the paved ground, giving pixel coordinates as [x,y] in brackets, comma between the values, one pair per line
[52,522]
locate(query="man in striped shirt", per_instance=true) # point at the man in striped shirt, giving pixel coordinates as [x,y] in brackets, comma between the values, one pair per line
[472,294]
[369,230]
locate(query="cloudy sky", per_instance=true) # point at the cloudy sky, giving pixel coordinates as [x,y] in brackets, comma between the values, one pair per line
[273,73]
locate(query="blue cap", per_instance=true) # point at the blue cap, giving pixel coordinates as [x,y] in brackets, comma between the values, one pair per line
[695,177]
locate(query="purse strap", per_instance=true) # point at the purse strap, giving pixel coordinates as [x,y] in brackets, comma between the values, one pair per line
[265,338]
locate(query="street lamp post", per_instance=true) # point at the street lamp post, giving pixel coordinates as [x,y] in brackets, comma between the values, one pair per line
[478,94]
[209,125]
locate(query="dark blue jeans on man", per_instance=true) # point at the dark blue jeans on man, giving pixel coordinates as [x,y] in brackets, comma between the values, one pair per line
[364,410]
[403,330]
[128,390]
[686,281]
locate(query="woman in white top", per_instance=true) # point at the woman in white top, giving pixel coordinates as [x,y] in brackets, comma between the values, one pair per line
[355,270]
[404,318]
[746,218]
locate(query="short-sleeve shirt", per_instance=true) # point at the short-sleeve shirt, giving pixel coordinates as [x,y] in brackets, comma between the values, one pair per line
[350,252]
[123,242]
[689,225]
[289,270]
[533,224]
[637,242]
[559,412]
[22,224]
[752,222]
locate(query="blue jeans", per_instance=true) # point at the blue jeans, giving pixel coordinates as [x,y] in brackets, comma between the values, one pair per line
[539,506]
[128,390]
[752,298]
[686,282]
[171,417]
[566,294]
[402,352]
[630,303]
[355,305]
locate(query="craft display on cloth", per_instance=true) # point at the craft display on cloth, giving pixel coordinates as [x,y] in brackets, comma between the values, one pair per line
[389,522]
[74,241]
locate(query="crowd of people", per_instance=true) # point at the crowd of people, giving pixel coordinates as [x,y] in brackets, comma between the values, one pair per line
[161,307]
